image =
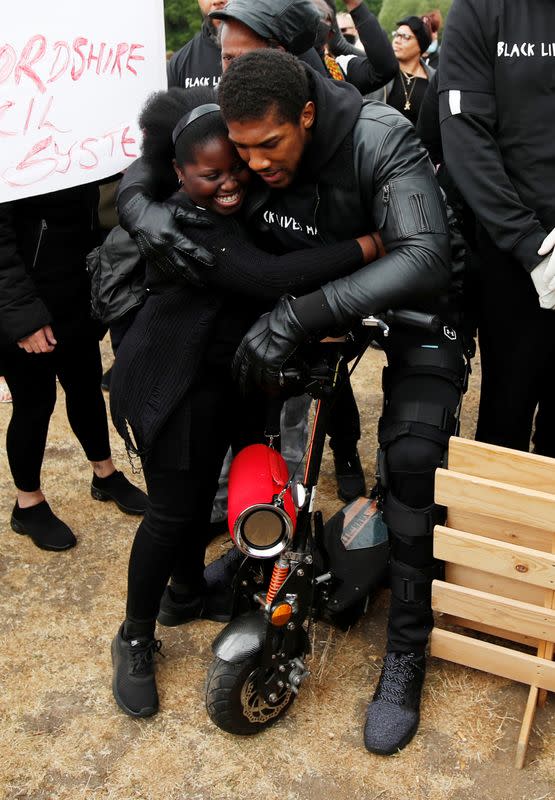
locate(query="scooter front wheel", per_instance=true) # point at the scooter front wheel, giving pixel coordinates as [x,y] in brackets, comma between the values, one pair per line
[234,702]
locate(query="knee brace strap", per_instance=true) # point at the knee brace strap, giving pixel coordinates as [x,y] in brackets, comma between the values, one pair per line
[411,585]
[407,522]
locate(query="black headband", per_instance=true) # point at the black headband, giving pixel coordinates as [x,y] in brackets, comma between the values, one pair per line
[199,111]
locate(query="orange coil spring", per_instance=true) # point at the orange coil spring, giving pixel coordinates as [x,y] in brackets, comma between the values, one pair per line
[278,577]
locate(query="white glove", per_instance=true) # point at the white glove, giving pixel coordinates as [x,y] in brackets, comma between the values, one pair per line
[545,294]
[548,249]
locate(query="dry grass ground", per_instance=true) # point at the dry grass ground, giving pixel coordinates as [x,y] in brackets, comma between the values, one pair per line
[63,737]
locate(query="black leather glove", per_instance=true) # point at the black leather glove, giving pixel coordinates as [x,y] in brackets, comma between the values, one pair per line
[266,347]
[156,228]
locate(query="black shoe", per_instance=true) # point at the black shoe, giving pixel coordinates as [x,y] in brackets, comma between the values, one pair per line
[176,610]
[106,378]
[43,526]
[220,572]
[394,713]
[116,487]
[349,475]
[133,682]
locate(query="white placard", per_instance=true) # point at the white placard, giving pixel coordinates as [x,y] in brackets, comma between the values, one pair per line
[73,78]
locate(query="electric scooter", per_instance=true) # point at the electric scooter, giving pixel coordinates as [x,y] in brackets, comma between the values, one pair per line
[317,570]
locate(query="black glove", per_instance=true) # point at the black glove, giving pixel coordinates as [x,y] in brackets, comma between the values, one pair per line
[267,346]
[156,228]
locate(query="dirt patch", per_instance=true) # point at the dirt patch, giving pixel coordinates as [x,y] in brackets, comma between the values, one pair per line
[63,738]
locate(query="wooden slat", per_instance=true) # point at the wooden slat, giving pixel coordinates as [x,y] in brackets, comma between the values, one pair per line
[500,558]
[494,584]
[494,499]
[502,661]
[502,464]
[492,609]
[526,727]
[466,519]
[491,630]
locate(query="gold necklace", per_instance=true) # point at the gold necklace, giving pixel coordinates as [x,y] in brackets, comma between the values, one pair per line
[409,79]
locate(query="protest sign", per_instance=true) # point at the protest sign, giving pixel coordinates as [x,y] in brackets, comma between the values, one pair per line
[73,78]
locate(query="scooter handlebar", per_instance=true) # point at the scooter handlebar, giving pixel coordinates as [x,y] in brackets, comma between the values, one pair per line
[405,317]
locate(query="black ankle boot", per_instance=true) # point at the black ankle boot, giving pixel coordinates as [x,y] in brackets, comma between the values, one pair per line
[128,498]
[394,713]
[349,474]
[133,682]
[45,529]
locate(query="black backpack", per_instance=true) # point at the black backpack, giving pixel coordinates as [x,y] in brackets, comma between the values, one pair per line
[117,274]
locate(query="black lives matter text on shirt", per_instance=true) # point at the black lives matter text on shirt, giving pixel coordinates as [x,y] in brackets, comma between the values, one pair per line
[506,49]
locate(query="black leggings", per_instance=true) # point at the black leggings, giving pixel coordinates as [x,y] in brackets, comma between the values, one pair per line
[181,473]
[32,381]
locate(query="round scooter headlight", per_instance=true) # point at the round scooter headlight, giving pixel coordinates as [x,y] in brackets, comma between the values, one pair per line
[261,511]
[263,530]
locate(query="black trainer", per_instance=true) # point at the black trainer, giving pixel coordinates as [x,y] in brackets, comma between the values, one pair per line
[133,682]
[349,475]
[394,713]
[219,573]
[128,498]
[45,529]
[176,609]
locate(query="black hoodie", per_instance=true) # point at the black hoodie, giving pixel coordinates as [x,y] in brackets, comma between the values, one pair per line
[198,63]
[300,215]
[497,108]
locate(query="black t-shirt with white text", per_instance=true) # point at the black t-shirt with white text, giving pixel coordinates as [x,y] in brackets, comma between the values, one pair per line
[497,110]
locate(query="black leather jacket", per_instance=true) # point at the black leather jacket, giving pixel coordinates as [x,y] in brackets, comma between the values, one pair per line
[365,170]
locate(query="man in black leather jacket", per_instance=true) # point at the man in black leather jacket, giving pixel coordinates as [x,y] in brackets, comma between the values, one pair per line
[333,167]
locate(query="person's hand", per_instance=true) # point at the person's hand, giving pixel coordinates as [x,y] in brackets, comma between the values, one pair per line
[266,347]
[157,229]
[545,294]
[547,249]
[41,341]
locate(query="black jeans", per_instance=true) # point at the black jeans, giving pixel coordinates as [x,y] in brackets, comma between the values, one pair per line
[32,381]
[517,347]
[181,473]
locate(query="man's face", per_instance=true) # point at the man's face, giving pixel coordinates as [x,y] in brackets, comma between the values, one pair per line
[273,148]
[206,6]
[236,40]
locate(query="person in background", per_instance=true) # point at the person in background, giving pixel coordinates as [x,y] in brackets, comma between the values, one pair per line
[348,30]
[496,107]
[342,61]
[435,20]
[411,38]
[46,332]
[198,63]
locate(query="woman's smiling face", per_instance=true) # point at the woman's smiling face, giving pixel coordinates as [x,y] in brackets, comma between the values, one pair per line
[217,180]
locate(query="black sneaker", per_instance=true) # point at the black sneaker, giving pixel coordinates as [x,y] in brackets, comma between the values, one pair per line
[394,713]
[128,498]
[219,573]
[45,529]
[349,475]
[133,682]
[178,611]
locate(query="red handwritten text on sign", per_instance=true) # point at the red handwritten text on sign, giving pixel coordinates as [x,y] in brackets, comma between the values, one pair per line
[42,65]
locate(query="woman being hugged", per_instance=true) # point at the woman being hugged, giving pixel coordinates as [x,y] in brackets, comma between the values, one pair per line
[172,390]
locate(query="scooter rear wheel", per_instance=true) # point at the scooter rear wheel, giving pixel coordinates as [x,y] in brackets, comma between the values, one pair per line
[234,702]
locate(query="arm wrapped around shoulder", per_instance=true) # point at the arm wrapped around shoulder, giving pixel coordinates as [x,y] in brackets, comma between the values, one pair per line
[158,227]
